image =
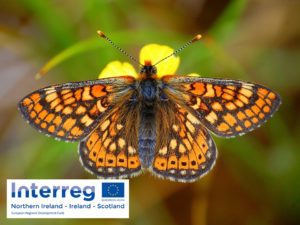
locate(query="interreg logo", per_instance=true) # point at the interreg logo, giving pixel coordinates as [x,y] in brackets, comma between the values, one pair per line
[112,190]
[87,193]
[67,198]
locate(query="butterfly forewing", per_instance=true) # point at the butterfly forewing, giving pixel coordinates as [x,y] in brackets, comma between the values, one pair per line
[71,111]
[226,107]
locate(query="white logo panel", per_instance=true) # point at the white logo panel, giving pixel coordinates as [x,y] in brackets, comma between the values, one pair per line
[67,198]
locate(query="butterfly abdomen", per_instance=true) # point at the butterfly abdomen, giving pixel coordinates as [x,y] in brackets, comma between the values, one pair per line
[147,135]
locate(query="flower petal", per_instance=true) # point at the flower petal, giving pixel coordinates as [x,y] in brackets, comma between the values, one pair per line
[154,53]
[116,69]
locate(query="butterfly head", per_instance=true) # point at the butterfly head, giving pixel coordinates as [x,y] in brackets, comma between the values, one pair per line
[148,70]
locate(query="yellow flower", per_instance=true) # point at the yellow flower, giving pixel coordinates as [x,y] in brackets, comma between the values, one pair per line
[116,69]
[154,53]
[150,52]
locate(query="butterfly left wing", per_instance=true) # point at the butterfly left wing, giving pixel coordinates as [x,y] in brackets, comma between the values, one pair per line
[111,150]
[71,111]
[184,149]
[226,107]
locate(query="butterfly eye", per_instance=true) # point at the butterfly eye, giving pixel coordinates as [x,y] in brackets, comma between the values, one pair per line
[154,70]
[143,70]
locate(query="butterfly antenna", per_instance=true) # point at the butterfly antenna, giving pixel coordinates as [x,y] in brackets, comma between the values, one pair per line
[196,38]
[101,34]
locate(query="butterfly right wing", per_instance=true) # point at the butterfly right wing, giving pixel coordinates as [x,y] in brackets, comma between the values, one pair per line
[71,111]
[226,107]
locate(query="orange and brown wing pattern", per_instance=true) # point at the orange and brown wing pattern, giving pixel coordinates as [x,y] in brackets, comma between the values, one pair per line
[72,110]
[111,150]
[226,107]
[184,149]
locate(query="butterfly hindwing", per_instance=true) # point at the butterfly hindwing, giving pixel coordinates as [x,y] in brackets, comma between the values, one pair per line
[226,107]
[184,149]
[111,150]
[71,111]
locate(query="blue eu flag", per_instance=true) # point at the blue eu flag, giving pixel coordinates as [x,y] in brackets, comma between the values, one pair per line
[113,190]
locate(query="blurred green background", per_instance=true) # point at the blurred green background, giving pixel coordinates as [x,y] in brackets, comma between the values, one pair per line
[256,179]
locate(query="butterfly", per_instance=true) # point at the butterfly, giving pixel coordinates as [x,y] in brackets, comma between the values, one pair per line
[160,124]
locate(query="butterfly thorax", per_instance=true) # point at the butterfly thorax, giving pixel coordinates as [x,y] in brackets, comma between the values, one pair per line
[148,91]
[148,84]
